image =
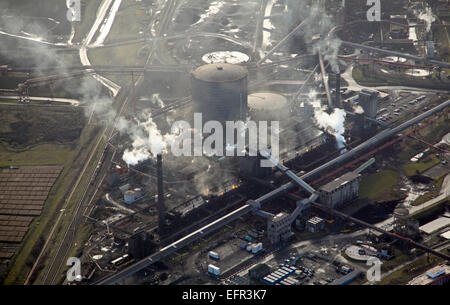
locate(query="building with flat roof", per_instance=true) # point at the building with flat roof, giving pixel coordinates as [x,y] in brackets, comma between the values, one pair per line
[368,99]
[341,190]
[446,235]
[315,224]
[259,271]
[435,276]
[278,227]
[435,225]
[347,278]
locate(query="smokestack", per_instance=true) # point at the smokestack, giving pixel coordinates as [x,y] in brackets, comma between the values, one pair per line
[337,99]
[161,206]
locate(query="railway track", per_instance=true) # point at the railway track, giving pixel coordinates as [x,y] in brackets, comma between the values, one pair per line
[58,258]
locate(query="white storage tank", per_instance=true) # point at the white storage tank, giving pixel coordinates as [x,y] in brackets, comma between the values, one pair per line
[249,247]
[214,255]
[256,248]
[138,192]
[129,197]
[268,106]
[213,270]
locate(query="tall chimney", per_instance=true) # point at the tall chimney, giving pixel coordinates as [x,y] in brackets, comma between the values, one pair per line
[161,206]
[337,99]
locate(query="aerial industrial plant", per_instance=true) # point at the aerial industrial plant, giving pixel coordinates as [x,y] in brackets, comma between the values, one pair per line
[226,142]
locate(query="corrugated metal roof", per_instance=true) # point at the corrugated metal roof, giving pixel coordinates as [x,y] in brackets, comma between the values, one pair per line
[335,184]
[435,225]
[446,235]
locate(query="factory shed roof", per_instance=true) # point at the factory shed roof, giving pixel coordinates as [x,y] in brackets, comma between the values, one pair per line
[431,275]
[338,182]
[259,270]
[219,73]
[435,225]
[280,216]
[347,278]
[315,220]
[446,235]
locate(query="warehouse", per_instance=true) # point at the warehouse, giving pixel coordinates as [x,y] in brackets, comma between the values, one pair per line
[340,190]
[435,225]
[435,276]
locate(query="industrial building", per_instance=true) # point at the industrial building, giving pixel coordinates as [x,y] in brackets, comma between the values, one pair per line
[279,227]
[341,190]
[368,100]
[259,271]
[438,275]
[140,245]
[152,218]
[347,278]
[315,224]
[435,225]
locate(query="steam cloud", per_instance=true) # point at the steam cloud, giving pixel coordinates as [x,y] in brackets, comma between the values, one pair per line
[426,15]
[147,139]
[333,123]
[31,46]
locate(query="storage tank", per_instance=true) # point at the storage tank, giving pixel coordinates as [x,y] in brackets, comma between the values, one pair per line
[220,92]
[213,270]
[268,106]
[401,219]
[214,255]
[256,248]
[138,192]
[129,197]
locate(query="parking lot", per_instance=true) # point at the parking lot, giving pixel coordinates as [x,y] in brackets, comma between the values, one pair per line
[391,111]
[230,254]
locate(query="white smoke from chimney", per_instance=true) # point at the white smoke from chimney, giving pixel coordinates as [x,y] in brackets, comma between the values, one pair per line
[333,122]
[147,139]
[156,100]
[426,15]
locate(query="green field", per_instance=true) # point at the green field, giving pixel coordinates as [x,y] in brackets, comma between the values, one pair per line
[407,273]
[374,185]
[364,80]
[84,230]
[69,152]
[416,168]
[130,20]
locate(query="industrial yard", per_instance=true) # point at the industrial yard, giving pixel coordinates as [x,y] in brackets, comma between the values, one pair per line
[120,142]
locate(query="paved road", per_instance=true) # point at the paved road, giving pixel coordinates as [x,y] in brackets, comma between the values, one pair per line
[72,102]
[118,205]
[101,13]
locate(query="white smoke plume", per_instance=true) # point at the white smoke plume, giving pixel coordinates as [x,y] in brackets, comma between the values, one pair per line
[30,44]
[329,49]
[333,122]
[320,24]
[147,139]
[426,15]
[156,100]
